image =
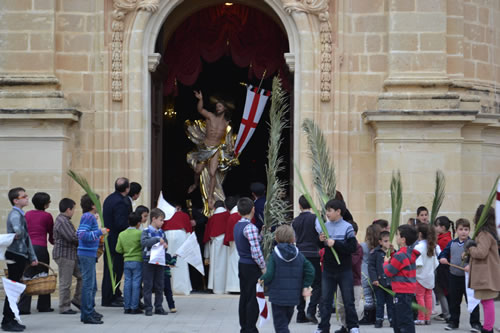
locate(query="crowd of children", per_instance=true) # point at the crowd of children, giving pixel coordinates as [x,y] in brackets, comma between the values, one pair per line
[427,262]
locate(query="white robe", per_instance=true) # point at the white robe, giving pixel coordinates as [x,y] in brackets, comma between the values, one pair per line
[181,283]
[218,264]
[232,279]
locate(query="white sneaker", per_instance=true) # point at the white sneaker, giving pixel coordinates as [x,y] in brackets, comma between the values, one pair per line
[354,330]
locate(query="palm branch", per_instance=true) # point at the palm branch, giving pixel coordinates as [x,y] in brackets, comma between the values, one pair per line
[307,195]
[484,214]
[323,170]
[276,208]
[396,203]
[438,194]
[80,180]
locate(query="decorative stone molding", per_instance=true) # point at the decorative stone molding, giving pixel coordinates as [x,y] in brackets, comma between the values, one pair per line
[320,9]
[121,9]
[290,61]
[153,61]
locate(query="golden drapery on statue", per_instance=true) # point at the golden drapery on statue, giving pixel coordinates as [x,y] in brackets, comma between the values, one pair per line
[196,132]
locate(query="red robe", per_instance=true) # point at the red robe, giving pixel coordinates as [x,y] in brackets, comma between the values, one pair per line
[179,221]
[231,222]
[216,225]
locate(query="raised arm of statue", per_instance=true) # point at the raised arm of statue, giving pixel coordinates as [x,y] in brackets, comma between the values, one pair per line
[200,107]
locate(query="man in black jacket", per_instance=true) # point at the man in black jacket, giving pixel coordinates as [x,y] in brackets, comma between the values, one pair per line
[116,209]
[306,238]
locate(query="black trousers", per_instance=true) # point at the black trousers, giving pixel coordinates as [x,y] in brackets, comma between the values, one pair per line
[43,303]
[15,273]
[402,319]
[167,290]
[248,308]
[153,277]
[457,290]
[316,292]
[282,314]
[106,288]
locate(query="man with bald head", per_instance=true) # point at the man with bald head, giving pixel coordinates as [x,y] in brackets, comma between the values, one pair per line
[116,209]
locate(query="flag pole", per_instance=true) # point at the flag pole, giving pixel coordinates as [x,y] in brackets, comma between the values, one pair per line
[262,79]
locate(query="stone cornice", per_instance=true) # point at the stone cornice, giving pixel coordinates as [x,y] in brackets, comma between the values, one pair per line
[320,9]
[68,114]
[419,116]
[121,9]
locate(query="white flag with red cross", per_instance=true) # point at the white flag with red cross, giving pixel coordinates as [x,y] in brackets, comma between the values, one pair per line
[261,300]
[254,107]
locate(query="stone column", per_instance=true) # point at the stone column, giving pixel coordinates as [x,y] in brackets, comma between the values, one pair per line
[35,119]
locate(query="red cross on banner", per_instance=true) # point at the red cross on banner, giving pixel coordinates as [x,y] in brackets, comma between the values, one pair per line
[254,106]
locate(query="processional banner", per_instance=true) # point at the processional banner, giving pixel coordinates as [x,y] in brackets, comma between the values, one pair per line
[254,107]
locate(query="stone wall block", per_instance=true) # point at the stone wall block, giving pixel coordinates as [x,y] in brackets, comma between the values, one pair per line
[454,45]
[78,6]
[27,22]
[370,23]
[27,62]
[77,43]
[378,63]
[485,72]
[470,12]
[373,43]
[42,42]
[455,65]
[16,5]
[10,41]
[431,5]
[480,52]
[423,22]
[72,62]
[484,16]
[455,7]
[432,42]
[403,41]
[362,6]
[455,26]
[44,4]
[402,5]
[70,23]
[474,32]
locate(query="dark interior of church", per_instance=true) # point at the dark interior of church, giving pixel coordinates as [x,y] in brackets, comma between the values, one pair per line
[220,77]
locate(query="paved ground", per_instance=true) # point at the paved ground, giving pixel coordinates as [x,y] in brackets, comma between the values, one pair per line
[196,313]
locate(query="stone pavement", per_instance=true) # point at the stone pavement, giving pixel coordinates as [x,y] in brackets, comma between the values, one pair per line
[196,313]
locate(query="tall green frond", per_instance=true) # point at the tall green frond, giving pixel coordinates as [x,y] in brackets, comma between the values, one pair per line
[276,209]
[323,170]
[80,180]
[438,195]
[487,205]
[396,202]
[303,189]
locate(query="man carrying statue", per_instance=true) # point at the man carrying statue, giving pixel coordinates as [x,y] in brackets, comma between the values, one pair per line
[214,152]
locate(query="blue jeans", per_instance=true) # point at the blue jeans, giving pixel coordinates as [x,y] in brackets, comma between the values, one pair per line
[384,297]
[89,286]
[329,282]
[403,314]
[133,278]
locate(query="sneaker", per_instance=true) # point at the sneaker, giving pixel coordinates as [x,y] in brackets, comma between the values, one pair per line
[419,322]
[427,322]
[312,318]
[149,313]
[451,327]
[301,318]
[354,330]
[342,330]
[476,328]
[440,317]
[161,312]
[379,324]
[173,310]
[127,311]
[92,320]
[70,311]
[136,311]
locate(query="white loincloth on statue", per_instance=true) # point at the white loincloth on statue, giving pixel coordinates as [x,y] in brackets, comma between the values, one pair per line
[232,279]
[218,264]
[181,283]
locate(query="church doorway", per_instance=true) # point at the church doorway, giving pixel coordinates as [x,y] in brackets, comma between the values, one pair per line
[217,50]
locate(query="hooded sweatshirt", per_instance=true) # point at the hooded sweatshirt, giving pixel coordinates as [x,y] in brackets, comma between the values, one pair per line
[288,271]
[401,268]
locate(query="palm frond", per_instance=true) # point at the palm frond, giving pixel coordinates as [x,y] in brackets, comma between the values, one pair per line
[80,180]
[323,170]
[276,208]
[484,214]
[303,189]
[396,203]
[438,195]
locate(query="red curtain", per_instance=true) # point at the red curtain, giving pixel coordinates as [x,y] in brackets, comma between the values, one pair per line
[251,38]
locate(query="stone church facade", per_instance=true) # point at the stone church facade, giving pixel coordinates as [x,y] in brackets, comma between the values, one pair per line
[395,84]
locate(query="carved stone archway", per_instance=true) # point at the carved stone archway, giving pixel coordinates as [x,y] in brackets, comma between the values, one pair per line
[308,29]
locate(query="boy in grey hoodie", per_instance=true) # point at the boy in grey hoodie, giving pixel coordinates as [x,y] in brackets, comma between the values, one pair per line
[289,276]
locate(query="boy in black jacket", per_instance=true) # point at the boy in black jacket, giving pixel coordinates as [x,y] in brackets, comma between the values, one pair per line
[378,278]
[342,239]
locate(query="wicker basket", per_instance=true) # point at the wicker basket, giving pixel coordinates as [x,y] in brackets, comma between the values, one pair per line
[42,285]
